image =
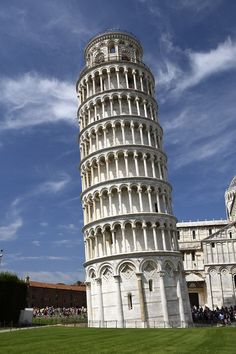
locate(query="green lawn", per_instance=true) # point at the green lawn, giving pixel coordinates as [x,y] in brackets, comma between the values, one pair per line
[71,340]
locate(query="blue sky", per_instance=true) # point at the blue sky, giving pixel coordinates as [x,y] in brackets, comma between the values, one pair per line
[191,47]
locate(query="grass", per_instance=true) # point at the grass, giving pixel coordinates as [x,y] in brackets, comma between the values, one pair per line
[72,340]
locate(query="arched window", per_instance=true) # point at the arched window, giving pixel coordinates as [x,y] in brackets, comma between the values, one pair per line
[150,285]
[112,49]
[130,302]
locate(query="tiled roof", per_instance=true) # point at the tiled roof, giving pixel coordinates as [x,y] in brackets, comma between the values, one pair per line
[38,284]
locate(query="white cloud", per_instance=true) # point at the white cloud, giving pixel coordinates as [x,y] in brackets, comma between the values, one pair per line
[209,63]
[54,186]
[31,99]
[44,224]
[8,232]
[198,66]
[36,243]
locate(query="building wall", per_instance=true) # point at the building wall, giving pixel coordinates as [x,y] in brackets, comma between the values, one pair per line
[209,254]
[44,294]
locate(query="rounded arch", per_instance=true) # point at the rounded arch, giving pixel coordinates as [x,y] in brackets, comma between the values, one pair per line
[129,263]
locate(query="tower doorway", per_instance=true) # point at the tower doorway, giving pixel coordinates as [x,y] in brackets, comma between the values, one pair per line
[194,299]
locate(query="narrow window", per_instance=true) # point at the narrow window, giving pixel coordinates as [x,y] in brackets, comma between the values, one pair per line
[194,234]
[193,256]
[213,245]
[112,49]
[150,285]
[130,302]
[235,280]
[230,234]
[210,231]
[178,235]
[156,208]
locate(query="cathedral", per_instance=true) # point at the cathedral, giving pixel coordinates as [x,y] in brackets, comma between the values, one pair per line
[209,256]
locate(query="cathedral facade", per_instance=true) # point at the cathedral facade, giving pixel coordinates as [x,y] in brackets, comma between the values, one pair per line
[134,269]
[209,256]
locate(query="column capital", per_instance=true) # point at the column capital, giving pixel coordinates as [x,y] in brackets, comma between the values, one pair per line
[162,273]
[139,275]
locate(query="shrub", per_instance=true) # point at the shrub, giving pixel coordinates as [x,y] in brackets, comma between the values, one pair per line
[13,294]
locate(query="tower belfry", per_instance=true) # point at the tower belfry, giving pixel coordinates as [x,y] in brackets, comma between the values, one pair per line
[134,271]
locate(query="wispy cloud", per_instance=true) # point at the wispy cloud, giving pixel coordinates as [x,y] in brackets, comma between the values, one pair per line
[9,232]
[41,258]
[31,99]
[206,64]
[53,186]
[183,69]
[12,222]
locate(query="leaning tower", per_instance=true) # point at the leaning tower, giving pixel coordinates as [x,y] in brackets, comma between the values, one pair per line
[134,270]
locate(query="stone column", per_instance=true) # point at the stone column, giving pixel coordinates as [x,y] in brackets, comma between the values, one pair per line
[140,198]
[181,304]
[141,133]
[141,297]
[141,82]
[111,106]
[134,238]
[100,303]
[163,300]
[123,132]
[89,302]
[101,88]
[145,236]
[130,199]
[149,191]
[154,230]
[126,78]
[117,78]
[136,163]
[153,167]
[145,108]
[109,79]
[110,204]
[116,163]
[163,238]
[113,241]
[145,165]
[132,132]
[120,105]
[119,201]
[134,78]
[120,315]
[129,105]
[137,105]
[126,164]
[94,89]
[123,238]
[209,291]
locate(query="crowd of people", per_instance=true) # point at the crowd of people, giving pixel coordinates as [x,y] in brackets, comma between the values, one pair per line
[50,311]
[223,315]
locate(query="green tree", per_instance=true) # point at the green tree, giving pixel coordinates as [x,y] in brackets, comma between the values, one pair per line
[13,295]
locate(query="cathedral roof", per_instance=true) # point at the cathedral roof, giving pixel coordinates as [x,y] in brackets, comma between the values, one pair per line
[232,184]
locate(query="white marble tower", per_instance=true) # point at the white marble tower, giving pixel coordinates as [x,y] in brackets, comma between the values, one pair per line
[134,270]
